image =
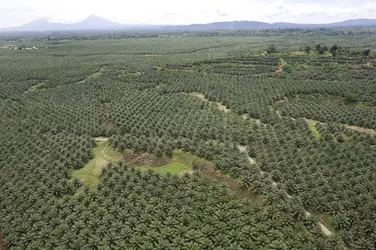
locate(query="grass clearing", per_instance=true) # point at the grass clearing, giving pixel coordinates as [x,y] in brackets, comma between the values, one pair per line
[179,163]
[312,127]
[282,63]
[174,168]
[91,172]
[297,53]
[36,86]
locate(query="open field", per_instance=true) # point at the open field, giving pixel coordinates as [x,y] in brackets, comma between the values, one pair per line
[91,172]
[189,140]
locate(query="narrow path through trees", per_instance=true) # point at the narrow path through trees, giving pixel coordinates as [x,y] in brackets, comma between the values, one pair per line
[325,230]
[243,149]
[221,107]
[101,139]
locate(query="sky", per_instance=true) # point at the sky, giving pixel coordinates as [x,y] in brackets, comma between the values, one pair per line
[17,12]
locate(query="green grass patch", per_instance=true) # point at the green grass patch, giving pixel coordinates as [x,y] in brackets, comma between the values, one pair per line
[312,127]
[186,158]
[296,53]
[174,168]
[91,172]
[181,161]
[36,86]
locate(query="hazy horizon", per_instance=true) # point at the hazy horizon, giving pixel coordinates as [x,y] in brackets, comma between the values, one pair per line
[18,12]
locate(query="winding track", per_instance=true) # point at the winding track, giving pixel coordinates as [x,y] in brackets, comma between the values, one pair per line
[101,139]
[243,149]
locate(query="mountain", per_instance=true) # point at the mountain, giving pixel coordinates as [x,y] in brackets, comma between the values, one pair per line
[252,25]
[40,24]
[235,25]
[355,23]
[98,23]
[94,22]
[90,23]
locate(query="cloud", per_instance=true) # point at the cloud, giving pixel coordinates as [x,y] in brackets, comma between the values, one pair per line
[17,12]
[220,13]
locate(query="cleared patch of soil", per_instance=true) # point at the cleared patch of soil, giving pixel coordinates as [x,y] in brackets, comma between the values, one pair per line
[96,74]
[199,95]
[283,100]
[325,230]
[236,187]
[241,193]
[184,172]
[91,172]
[101,139]
[220,106]
[363,130]
[36,86]
[243,149]
[355,128]
[282,63]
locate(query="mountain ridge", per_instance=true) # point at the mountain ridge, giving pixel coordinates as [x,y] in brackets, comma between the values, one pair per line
[99,23]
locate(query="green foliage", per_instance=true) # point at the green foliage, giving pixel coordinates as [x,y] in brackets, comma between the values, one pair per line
[308,49]
[176,168]
[318,47]
[350,98]
[114,85]
[366,52]
[271,49]
[103,155]
[312,127]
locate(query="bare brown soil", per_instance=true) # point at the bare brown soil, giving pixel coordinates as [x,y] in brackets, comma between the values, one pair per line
[96,74]
[363,130]
[283,100]
[282,63]
[355,128]
[184,172]
[108,125]
[236,187]
[221,107]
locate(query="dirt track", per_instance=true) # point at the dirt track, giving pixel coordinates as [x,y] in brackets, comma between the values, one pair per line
[325,230]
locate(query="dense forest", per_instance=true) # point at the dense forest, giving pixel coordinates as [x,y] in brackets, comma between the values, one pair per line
[275,131]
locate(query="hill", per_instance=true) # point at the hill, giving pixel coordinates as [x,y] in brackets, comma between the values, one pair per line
[98,23]
[90,23]
[253,25]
